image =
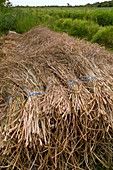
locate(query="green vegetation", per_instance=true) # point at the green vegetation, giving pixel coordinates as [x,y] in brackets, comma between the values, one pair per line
[78,27]
[104,37]
[101,4]
[92,24]
[2,3]
[5,3]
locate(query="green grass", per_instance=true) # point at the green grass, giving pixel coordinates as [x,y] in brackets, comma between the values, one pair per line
[104,37]
[82,29]
[92,24]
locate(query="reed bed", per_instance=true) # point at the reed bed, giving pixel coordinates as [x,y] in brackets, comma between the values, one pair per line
[56,103]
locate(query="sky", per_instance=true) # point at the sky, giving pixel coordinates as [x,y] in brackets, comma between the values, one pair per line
[52,2]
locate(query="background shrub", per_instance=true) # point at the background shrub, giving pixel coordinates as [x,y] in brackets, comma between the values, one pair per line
[102,17]
[104,37]
[64,24]
[78,28]
[25,20]
[84,29]
[7,22]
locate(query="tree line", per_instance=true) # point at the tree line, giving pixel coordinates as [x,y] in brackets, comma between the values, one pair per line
[101,4]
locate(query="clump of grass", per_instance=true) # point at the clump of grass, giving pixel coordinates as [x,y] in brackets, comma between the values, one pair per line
[104,37]
[64,25]
[7,22]
[103,17]
[84,29]
[25,20]
[78,28]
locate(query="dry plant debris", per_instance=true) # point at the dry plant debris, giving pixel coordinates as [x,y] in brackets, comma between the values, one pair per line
[56,102]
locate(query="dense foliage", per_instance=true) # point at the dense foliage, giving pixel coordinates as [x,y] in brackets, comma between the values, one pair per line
[2,2]
[104,37]
[101,4]
[5,3]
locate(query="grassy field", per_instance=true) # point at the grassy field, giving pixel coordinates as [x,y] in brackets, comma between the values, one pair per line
[92,24]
